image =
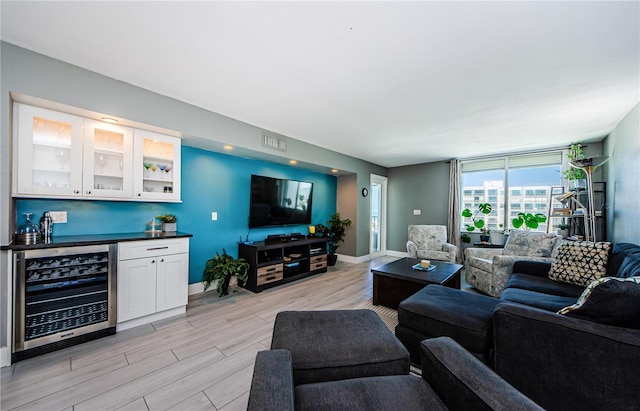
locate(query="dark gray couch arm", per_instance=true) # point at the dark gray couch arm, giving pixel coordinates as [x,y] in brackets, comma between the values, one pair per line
[272,383]
[464,383]
[564,363]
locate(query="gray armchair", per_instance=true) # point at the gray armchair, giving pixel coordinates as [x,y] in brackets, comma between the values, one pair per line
[430,242]
[489,269]
[452,379]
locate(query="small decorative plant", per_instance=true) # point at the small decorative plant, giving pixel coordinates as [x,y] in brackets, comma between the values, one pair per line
[531,221]
[167,218]
[484,208]
[220,269]
[575,153]
[563,226]
[335,232]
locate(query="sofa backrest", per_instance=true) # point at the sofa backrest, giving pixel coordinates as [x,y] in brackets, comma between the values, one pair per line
[428,237]
[532,244]
[624,260]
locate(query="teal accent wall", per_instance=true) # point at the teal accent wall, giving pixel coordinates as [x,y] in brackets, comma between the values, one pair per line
[210,182]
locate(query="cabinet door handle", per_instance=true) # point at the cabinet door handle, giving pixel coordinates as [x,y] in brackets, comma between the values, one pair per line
[162,260]
[153,261]
[271,269]
[270,278]
[88,191]
[157,248]
[139,194]
[76,191]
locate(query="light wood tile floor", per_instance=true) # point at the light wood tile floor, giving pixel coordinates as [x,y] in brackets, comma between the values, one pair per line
[202,360]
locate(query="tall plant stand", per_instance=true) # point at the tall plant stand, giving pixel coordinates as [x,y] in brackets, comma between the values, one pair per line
[589,165]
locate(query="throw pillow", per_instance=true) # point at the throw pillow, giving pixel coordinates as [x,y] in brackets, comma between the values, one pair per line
[580,262]
[609,300]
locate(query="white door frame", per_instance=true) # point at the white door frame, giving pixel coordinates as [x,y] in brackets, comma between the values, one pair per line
[382,181]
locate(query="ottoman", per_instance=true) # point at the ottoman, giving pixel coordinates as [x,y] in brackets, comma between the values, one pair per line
[339,344]
[437,311]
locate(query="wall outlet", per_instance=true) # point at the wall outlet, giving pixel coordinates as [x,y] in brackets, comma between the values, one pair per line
[58,216]
[214,216]
[417,212]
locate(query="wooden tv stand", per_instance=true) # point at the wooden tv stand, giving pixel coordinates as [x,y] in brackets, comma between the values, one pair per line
[273,264]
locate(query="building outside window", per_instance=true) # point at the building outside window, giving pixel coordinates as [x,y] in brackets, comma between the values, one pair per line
[511,184]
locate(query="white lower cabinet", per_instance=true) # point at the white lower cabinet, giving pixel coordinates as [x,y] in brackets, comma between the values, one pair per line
[153,280]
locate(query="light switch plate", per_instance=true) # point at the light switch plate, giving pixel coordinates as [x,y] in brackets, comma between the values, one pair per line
[417,212]
[58,216]
[214,216]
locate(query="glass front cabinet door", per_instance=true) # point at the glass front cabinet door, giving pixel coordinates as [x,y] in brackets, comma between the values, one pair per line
[48,153]
[108,160]
[156,166]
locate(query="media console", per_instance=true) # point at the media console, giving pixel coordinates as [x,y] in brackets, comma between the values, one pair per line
[273,264]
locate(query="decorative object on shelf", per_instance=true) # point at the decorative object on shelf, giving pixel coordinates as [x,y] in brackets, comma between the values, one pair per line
[27,233]
[153,227]
[484,208]
[530,221]
[579,211]
[365,192]
[563,229]
[220,269]
[312,230]
[335,234]
[576,176]
[169,222]
[589,165]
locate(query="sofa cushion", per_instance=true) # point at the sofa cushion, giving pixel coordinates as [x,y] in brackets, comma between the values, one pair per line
[544,285]
[609,300]
[619,252]
[405,392]
[630,267]
[532,244]
[437,311]
[544,301]
[580,262]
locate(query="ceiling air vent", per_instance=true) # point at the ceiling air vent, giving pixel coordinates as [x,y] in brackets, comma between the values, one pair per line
[274,143]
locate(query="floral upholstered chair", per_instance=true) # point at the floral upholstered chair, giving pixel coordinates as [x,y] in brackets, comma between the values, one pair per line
[489,269]
[430,242]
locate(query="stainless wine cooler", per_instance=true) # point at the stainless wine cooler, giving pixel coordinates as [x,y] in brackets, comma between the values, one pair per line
[63,296]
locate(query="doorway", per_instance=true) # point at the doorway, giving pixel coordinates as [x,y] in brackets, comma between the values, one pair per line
[378,223]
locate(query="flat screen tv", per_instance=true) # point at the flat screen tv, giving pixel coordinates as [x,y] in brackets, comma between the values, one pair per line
[279,202]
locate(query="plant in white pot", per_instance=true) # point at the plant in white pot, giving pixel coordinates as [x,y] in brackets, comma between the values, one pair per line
[563,229]
[169,222]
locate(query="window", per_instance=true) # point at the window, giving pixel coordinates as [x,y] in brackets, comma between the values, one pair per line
[502,181]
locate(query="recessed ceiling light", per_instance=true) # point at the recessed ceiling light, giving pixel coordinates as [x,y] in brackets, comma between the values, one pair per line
[227,147]
[109,120]
[334,170]
[293,162]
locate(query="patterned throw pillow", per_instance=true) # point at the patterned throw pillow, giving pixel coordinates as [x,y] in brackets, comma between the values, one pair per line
[609,300]
[580,262]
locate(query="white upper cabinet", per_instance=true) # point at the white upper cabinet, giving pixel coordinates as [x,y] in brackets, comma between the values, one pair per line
[108,160]
[156,166]
[47,152]
[66,156]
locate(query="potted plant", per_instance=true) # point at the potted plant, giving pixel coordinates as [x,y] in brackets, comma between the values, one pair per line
[530,221]
[484,208]
[576,176]
[169,222]
[335,234]
[220,269]
[563,229]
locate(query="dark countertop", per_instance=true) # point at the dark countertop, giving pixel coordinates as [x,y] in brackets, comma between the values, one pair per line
[94,239]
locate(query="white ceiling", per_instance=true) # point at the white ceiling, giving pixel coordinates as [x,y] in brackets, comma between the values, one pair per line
[394,83]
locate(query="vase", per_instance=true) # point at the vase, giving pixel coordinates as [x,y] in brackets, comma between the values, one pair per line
[497,238]
[169,227]
[564,233]
[332,259]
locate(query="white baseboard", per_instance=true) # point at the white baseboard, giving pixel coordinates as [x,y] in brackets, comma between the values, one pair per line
[399,254]
[353,260]
[196,288]
[5,357]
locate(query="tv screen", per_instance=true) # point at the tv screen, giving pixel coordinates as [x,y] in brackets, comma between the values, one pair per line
[277,202]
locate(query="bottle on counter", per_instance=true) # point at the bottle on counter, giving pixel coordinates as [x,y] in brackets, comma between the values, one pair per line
[46,227]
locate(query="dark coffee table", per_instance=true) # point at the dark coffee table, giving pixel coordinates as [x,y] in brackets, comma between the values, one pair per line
[396,281]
